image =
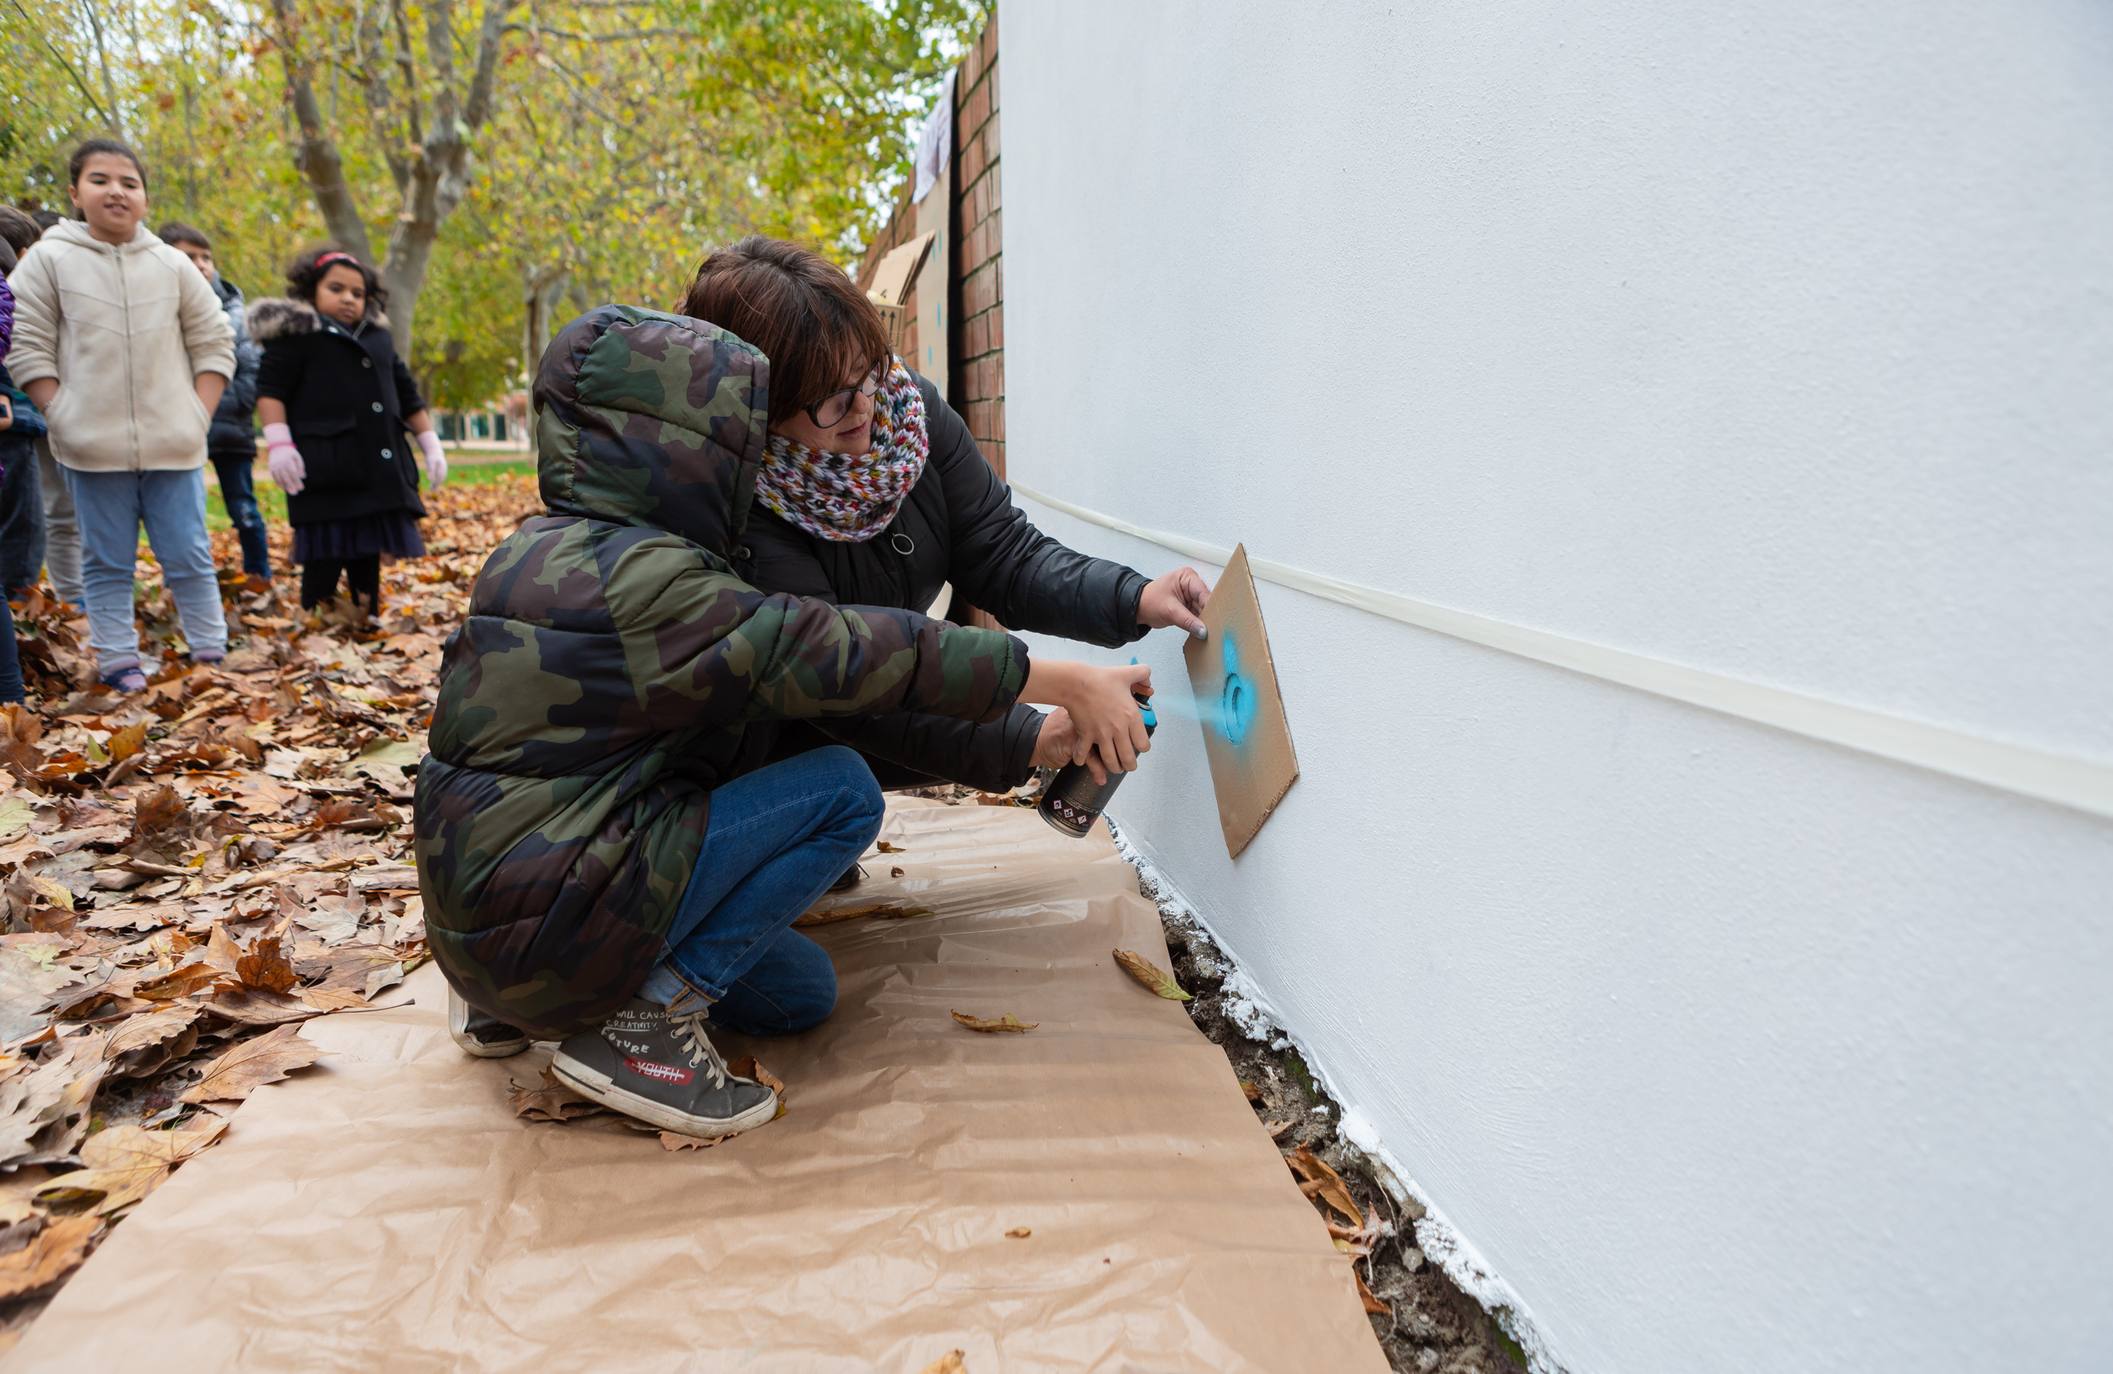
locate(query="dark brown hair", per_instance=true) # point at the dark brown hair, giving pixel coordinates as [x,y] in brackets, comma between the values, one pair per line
[18,229]
[799,308]
[177,233]
[306,272]
[111,146]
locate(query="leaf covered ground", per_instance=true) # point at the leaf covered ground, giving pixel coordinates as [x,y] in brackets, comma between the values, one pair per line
[188,875]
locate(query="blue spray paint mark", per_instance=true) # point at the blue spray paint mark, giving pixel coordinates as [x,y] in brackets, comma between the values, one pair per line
[1231,713]
[1236,703]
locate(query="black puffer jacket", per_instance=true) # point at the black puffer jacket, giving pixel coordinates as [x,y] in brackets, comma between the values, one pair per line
[234,431]
[347,396]
[958,526]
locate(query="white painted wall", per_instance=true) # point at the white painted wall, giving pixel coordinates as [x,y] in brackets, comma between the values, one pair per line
[1775,339]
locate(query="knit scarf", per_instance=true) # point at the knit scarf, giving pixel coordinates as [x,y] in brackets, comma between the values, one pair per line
[848,498]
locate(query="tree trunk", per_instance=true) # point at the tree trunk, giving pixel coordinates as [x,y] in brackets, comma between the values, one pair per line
[546,289]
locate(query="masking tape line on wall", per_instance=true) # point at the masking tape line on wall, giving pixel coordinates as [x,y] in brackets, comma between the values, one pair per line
[2067,781]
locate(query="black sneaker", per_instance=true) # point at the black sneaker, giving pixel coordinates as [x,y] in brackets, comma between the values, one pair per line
[662,1070]
[486,1037]
[851,878]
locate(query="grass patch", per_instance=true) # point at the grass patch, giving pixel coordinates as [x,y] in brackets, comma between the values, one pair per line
[272,501]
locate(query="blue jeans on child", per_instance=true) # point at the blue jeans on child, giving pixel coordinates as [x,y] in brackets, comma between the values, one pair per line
[111,506]
[777,838]
[10,659]
[238,493]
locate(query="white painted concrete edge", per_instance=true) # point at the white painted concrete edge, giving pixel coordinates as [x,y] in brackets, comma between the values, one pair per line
[1441,1242]
[2083,784]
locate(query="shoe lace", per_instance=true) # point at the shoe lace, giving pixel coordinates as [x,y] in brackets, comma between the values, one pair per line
[690,1032]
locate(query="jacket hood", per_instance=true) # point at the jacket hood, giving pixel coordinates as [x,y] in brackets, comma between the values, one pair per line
[273,317]
[76,231]
[644,418]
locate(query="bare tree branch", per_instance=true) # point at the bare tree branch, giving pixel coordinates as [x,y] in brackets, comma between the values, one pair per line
[316,155]
[80,83]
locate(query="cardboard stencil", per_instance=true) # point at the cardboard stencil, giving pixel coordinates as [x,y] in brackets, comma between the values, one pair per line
[1240,707]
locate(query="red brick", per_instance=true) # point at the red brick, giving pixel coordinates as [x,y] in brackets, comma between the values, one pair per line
[970,162]
[994,229]
[977,109]
[997,375]
[997,421]
[991,80]
[978,291]
[997,327]
[997,290]
[989,40]
[975,339]
[994,454]
[997,189]
[972,67]
[990,136]
[963,220]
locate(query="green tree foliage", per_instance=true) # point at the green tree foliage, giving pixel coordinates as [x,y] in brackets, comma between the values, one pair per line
[509,162]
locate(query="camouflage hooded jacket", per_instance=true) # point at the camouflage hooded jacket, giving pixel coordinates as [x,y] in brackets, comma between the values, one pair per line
[612,671]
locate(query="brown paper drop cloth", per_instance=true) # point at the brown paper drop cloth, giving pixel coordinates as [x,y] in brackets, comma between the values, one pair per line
[387,1211]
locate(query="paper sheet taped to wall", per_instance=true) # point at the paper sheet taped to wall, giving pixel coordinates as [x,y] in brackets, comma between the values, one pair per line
[1245,734]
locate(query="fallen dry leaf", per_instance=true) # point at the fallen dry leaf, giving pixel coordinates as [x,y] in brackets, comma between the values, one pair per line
[748,1066]
[1250,1091]
[177,983]
[147,1043]
[953,1362]
[44,1110]
[158,810]
[249,1007]
[550,1100]
[895,873]
[1151,975]
[53,1253]
[127,742]
[1019,1233]
[669,1140]
[253,1063]
[884,847]
[1364,1295]
[883,911]
[265,966]
[1007,1022]
[1319,1180]
[125,1163]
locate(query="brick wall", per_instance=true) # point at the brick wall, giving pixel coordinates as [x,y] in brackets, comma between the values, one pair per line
[976,291]
[977,342]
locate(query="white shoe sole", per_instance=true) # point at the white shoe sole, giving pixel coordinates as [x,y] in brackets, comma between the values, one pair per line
[599,1087]
[505,1049]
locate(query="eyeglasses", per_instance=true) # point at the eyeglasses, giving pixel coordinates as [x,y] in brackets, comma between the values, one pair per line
[832,409]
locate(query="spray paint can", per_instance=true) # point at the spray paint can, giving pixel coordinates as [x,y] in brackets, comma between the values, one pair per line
[1074,801]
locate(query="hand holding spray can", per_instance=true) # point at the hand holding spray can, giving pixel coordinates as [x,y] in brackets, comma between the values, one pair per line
[1074,801]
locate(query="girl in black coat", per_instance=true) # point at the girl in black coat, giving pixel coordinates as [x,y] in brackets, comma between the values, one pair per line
[874,493]
[336,402]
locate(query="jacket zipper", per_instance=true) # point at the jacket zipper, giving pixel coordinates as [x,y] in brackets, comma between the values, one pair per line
[124,292]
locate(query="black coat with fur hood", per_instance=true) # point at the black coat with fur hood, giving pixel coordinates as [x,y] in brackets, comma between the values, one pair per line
[346,395]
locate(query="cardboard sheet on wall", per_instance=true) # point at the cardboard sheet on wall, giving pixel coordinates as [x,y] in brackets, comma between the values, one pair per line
[935,217]
[1241,710]
[387,1210]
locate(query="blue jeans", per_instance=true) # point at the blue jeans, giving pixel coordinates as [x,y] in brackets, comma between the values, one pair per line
[238,492]
[111,506]
[10,661]
[776,840]
[21,515]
